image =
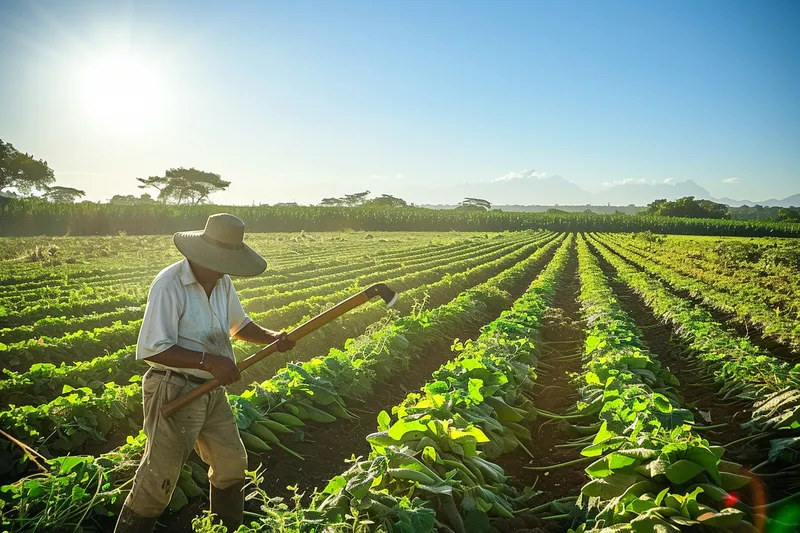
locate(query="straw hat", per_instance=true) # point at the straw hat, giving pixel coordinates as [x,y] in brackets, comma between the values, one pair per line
[219,247]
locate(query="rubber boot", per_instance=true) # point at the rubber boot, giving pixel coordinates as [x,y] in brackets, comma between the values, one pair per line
[228,505]
[130,522]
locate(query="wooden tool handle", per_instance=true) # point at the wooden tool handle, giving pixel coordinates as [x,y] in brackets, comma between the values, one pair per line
[296,334]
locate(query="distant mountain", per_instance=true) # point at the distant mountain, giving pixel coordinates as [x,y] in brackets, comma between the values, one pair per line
[790,201]
[643,193]
[532,191]
[521,191]
[525,189]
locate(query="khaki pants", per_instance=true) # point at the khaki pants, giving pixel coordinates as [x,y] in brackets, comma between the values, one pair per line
[206,424]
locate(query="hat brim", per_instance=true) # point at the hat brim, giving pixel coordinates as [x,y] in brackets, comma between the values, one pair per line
[242,262]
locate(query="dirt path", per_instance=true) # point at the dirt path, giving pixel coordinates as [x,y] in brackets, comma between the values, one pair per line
[562,346]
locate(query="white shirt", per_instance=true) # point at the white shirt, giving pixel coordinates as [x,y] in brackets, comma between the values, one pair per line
[179,312]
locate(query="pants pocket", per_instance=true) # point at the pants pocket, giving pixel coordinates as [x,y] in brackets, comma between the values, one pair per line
[171,390]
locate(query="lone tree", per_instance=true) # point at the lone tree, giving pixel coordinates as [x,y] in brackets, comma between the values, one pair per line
[332,202]
[190,184]
[22,171]
[687,207]
[386,200]
[63,194]
[355,198]
[348,200]
[475,204]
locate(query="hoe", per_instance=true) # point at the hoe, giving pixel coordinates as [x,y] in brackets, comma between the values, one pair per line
[379,289]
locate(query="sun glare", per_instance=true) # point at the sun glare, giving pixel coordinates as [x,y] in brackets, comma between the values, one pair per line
[121,92]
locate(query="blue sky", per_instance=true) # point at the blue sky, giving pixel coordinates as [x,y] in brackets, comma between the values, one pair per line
[303,99]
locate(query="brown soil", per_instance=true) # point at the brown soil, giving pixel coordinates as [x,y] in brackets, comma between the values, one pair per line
[562,336]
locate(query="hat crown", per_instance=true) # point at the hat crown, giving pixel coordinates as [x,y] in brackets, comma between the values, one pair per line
[224,230]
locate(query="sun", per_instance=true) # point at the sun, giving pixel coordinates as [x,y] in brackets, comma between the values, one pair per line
[120,91]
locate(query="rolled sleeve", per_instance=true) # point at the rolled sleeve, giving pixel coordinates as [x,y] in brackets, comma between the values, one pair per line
[160,323]
[237,318]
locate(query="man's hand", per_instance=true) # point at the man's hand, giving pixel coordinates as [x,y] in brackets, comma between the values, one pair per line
[284,342]
[224,369]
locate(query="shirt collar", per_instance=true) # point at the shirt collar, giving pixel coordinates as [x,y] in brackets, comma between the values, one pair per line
[186,274]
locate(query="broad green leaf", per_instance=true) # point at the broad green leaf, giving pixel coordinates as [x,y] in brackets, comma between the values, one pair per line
[594,343]
[605,466]
[437,387]
[731,482]
[662,403]
[592,379]
[384,421]
[401,427]
[603,434]
[609,487]
[661,496]
[78,494]
[682,471]
[474,390]
[641,505]
[471,432]
[335,485]
[595,450]
[416,520]
[704,457]
[430,454]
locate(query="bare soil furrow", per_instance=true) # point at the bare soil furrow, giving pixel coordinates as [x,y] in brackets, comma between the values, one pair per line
[562,343]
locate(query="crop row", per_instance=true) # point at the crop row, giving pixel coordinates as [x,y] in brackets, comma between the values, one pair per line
[651,471]
[84,344]
[293,257]
[300,290]
[761,270]
[740,369]
[748,302]
[76,307]
[50,327]
[290,394]
[25,276]
[55,326]
[428,290]
[768,264]
[45,380]
[431,460]
[53,425]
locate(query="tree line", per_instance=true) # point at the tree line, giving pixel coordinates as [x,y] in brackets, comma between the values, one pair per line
[190,186]
[180,186]
[688,207]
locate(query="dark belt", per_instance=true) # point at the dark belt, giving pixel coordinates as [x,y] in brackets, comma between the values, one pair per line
[193,379]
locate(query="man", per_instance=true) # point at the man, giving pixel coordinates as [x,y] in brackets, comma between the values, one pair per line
[192,311]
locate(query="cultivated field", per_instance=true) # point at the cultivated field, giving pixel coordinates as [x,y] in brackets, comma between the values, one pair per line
[525,381]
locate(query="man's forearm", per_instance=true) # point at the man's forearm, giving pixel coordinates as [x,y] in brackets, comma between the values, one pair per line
[178,357]
[252,332]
